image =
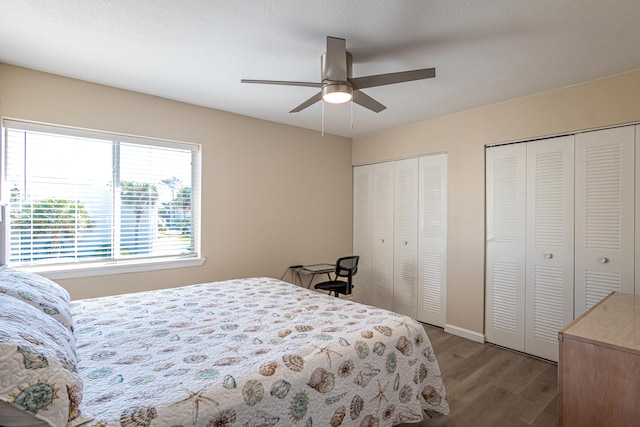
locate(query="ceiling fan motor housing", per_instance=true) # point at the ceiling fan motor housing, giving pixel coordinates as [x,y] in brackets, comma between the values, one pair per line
[331,70]
[335,74]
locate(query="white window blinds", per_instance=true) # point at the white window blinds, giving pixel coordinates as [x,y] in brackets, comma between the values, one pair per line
[78,196]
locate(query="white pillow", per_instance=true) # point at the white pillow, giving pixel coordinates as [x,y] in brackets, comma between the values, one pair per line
[38,291]
[38,364]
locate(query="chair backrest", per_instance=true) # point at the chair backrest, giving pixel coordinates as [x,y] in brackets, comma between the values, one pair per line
[347,266]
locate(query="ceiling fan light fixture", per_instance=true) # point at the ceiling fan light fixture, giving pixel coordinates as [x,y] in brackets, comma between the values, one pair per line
[337,93]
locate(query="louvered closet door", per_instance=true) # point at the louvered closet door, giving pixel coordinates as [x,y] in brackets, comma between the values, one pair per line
[505,281]
[405,260]
[362,232]
[604,215]
[382,244]
[432,251]
[549,247]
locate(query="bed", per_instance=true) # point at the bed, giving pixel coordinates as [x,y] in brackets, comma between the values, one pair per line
[249,352]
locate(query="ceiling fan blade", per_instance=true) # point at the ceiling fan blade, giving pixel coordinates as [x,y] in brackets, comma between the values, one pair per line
[366,101]
[285,83]
[391,78]
[315,98]
[335,66]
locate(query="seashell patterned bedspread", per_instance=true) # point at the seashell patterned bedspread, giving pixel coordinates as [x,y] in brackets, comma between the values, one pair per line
[251,352]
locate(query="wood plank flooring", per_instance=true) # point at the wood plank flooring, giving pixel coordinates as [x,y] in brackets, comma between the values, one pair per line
[491,386]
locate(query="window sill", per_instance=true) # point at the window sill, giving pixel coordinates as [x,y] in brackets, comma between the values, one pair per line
[120,267]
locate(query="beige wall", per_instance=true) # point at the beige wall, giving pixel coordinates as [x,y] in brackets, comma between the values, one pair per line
[601,103]
[272,195]
[257,217]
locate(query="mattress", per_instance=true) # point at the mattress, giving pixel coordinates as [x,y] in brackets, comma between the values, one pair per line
[251,352]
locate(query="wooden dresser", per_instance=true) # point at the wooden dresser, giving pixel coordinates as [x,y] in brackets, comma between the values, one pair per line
[599,365]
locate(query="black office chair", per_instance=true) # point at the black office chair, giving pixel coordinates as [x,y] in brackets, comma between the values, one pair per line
[345,267]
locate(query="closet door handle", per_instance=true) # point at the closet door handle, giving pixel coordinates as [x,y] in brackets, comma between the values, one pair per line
[405,243]
[381,240]
[548,255]
[603,260]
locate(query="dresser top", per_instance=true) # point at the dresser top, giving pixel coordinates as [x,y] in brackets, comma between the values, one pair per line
[614,321]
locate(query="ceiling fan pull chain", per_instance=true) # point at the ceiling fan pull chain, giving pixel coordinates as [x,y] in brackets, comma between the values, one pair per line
[351,113]
[322,127]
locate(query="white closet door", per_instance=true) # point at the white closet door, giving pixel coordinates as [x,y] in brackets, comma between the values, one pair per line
[549,244]
[362,231]
[505,281]
[604,215]
[382,246]
[405,260]
[432,251]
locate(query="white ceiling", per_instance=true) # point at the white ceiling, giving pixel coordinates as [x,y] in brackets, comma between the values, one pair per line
[196,51]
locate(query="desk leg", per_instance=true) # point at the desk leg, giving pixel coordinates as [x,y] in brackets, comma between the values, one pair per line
[310,281]
[299,278]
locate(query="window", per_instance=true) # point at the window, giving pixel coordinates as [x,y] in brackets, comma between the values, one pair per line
[78,197]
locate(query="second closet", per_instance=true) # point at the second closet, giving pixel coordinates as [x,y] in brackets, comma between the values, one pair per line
[560,233]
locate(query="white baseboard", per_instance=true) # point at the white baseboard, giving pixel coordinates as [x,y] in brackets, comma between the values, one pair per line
[464,333]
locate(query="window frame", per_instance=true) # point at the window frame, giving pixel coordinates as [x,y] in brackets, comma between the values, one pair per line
[111,266]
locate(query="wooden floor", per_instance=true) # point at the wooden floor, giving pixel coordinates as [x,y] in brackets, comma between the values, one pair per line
[490,386]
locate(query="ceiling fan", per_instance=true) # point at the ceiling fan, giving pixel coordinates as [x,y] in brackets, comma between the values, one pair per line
[338,86]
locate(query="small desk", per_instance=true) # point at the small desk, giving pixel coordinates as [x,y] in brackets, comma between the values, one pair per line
[313,270]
